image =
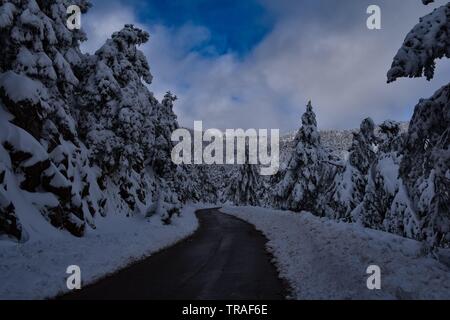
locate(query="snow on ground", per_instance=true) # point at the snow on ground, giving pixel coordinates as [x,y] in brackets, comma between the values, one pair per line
[37,269]
[324,259]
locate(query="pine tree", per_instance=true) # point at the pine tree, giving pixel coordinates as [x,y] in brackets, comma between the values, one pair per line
[348,188]
[201,182]
[179,179]
[166,204]
[307,170]
[165,124]
[383,183]
[425,166]
[79,129]
[37,79]
[115,117]
[244,186]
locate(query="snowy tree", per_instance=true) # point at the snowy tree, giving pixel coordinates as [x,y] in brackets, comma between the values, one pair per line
[115,113]
[384,205]
[307,170]
[179,179]
[243,187]
[202,183]
[37,79]
[80,134]
[427,42]
[166,204]
[391,137]
[189,182]
[364,147]
[166,124]
[425,166]
[348,188]
[244,184]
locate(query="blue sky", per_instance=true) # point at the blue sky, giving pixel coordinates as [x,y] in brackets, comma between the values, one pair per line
[255,63]
[235,25]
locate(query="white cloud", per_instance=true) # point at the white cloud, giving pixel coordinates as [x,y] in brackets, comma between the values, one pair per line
[101,22]
[341,66]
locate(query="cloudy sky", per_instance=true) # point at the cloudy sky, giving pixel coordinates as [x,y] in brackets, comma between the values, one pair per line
[256,63]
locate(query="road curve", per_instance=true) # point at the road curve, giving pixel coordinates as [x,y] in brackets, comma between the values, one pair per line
[224,260]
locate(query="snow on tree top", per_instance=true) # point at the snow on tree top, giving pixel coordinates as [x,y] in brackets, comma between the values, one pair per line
[309,118]
[122,46]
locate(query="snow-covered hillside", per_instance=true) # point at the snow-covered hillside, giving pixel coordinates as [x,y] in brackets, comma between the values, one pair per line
[37,269]
[325,259]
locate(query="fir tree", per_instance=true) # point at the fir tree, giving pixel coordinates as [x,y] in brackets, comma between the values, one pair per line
[383,180]
[244,184]
[165,124]
[38,76]
[348,188]
[425,166]
[115,117]
[307,170]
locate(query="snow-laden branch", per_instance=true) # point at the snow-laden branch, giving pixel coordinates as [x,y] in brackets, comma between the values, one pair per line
[429,40]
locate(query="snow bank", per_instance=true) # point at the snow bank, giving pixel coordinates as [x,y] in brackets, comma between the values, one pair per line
[324,259]
[37,269]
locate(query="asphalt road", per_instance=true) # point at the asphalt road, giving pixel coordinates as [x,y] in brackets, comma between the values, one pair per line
[224,260]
